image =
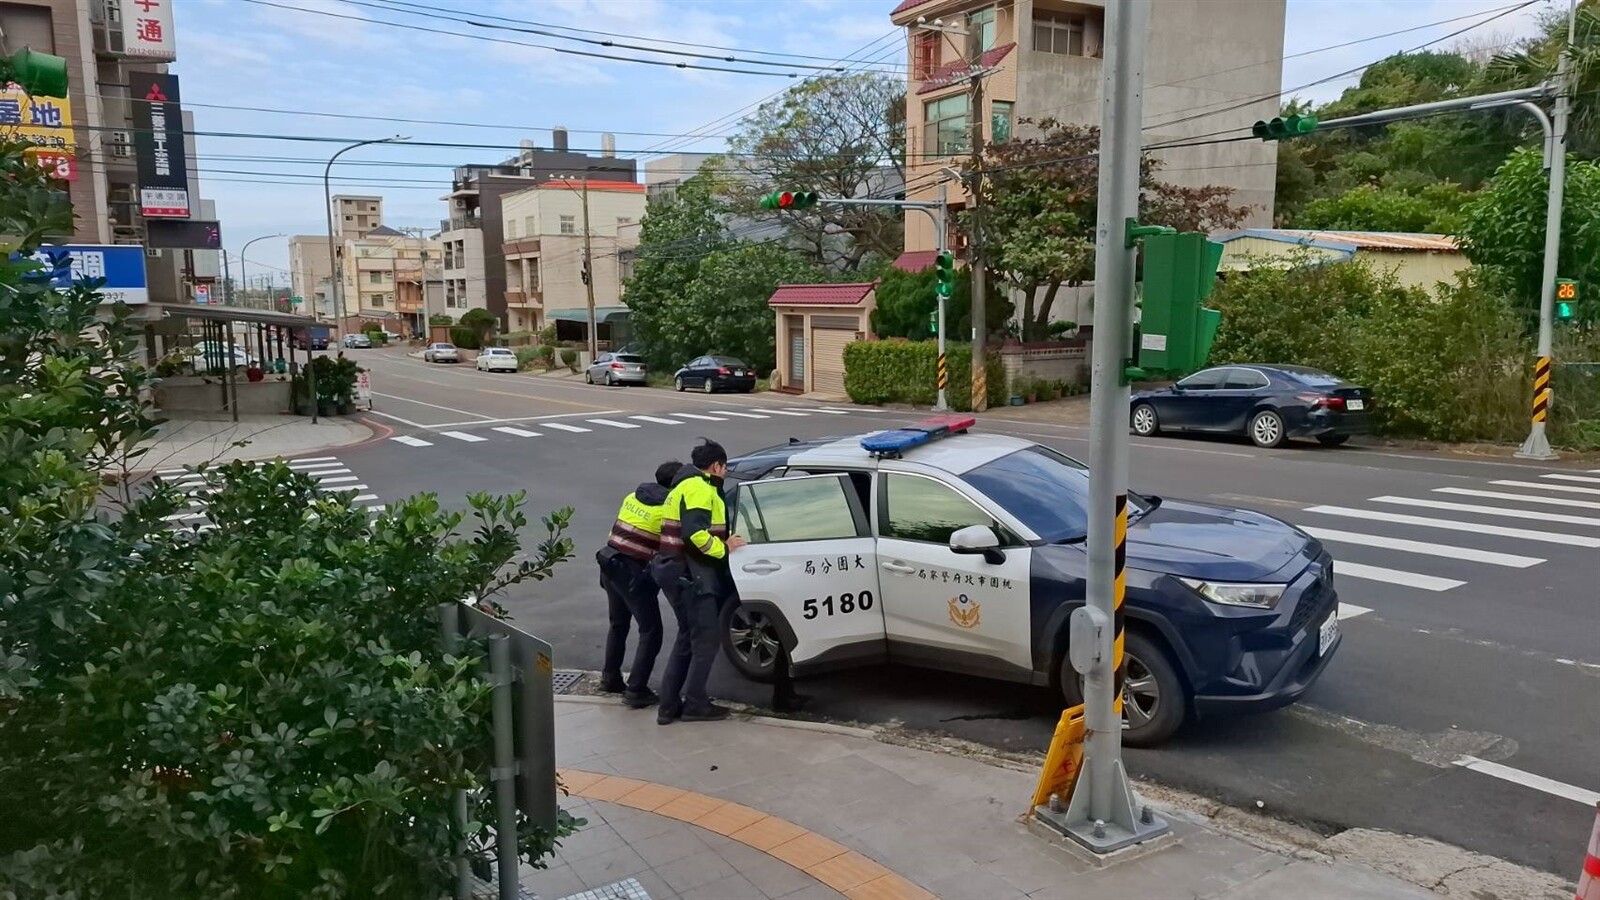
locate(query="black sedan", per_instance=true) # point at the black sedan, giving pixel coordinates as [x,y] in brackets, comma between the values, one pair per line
[715,373]
[1268,404]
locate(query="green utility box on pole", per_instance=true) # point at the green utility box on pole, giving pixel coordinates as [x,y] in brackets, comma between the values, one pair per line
[1176,331]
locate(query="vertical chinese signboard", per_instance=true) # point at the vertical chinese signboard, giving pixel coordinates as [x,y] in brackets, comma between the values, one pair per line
[45,124]
[158,146]
[147,29]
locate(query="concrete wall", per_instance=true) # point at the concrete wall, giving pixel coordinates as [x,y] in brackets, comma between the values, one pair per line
[308,266]
[1052,362]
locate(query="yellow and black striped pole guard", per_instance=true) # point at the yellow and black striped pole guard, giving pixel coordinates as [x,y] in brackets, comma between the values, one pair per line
[944,373]
[1541,389]
[1119,588]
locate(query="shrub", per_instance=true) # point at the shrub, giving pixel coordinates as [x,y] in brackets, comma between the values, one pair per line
[441,319]
[1061,327]
[526,356]
[547,355]
[569,358]
[905,372]
[466,338]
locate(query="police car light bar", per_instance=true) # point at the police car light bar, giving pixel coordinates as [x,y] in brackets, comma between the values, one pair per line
[895,442]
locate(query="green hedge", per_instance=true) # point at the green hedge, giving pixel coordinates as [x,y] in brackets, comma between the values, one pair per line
[465,338]
[905,372]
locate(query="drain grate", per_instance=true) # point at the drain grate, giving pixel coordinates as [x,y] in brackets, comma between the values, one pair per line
[564,680]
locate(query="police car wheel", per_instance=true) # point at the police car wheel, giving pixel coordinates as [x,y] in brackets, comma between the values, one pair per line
[750,641]
[1154,703]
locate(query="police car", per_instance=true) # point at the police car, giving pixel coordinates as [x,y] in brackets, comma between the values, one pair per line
[937,547]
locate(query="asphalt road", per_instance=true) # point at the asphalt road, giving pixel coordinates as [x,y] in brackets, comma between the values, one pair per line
[1470,592]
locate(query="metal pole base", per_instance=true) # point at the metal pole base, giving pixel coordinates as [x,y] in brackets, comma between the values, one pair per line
[1537,446]
[1123,828]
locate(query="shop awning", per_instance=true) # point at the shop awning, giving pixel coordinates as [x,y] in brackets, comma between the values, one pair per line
[601,314]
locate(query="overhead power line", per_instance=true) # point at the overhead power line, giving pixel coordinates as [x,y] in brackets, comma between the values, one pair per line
[444,122]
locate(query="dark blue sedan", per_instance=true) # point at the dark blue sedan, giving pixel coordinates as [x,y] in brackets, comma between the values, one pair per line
[1268,404]
[968,553]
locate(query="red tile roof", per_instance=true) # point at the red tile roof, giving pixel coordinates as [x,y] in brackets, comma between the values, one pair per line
[907,4]
[821,294]
[915,260]
[563,184]
[947,75]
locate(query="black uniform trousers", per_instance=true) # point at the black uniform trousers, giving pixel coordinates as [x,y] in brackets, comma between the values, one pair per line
[631,596]
[683,684]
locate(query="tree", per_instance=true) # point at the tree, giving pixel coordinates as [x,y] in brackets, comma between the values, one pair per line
[906,301]
[840,135]
[724,309]
[479,321]
[1534,61]
[1435,209]
[1504,228]
[1038,217]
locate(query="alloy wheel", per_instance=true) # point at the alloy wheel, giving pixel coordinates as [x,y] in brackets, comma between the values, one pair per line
[1144,420]
[754,638]
[1141,693]
[1266,430]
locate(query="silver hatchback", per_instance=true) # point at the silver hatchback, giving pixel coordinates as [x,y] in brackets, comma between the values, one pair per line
[617,368]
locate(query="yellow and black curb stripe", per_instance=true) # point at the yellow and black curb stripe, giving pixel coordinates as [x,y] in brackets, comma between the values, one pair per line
[1541,389]
[944,373]
[1119,588]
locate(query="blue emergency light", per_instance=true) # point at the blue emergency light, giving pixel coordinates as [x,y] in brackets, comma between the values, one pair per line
[896,441]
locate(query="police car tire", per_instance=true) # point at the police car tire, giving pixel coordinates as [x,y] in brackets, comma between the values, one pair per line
[762,675]
[1174,700]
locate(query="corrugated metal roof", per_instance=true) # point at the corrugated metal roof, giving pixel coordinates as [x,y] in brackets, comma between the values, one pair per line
[949,74]
[821,294]
[1352,240]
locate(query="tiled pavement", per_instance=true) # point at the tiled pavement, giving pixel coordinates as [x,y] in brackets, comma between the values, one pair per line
[748,810]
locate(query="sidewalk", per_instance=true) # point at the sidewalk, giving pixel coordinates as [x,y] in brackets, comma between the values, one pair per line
[188,440]
[757,808]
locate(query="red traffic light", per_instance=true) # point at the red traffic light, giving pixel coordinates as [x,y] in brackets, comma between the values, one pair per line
[786,200]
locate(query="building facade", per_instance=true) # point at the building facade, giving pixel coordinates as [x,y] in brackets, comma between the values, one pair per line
[544,256]
[1043,59]
[382,276]
[354,216]
[309,272]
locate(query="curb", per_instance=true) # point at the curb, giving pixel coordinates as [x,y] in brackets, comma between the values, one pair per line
[871,734]
[369,437]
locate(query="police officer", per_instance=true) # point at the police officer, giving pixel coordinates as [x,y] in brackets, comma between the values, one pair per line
[630,591]
[692,567]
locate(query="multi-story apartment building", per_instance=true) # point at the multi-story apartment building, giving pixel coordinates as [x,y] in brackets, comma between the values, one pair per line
[355,216]
[309,272]
[663,174]
[382,275]
[475,269]
[1210,66]
[544,252]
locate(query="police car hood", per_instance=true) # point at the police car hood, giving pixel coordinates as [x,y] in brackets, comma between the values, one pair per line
[1217,543]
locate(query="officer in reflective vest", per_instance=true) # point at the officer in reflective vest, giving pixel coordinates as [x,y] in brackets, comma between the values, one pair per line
[630,591]
[692,567]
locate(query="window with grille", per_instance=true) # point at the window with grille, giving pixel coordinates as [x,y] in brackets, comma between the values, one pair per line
[1058,34]
[945,124]
[569,224]
[980,31]
[924,55]
[1000,121]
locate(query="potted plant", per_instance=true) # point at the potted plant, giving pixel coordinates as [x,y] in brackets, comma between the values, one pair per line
[300,394]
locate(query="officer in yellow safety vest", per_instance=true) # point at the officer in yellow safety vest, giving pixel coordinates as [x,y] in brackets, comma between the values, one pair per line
[630,591]
[692,568]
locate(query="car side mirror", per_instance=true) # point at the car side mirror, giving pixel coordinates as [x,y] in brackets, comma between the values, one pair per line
[978,540]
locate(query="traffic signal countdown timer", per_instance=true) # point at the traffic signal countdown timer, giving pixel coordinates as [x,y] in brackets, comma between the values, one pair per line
[944,269]
[790,200]
[1566,299]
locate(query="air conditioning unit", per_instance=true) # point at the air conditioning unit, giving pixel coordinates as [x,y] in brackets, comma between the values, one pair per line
[152,253]
[121,144]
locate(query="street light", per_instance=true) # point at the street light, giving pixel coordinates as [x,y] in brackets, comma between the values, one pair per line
[243,273]
[335,278]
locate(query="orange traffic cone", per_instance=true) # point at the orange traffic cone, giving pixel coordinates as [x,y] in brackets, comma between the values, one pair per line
[1589,881]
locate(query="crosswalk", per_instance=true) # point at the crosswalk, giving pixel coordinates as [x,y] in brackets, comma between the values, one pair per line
[1516,523]
[543,428]
[329,472]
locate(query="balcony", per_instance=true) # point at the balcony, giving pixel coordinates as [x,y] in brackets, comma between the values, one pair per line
[461,222]
[525,300]
[522,247]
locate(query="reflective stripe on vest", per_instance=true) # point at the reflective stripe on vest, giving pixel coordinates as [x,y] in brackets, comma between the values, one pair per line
[637,530]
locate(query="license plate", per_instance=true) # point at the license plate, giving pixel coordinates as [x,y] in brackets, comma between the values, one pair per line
[1355,405]
[1328,634]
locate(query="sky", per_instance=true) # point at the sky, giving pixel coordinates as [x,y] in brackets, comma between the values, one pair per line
[237,58]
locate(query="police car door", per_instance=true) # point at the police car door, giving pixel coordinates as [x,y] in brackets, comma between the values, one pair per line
[810,560]
[942,608]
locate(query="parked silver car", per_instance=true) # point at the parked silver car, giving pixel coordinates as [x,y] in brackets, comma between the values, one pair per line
[441,353]
[617,368]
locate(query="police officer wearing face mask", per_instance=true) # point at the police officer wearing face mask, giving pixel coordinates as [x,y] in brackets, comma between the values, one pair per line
[630,591]
[692,567]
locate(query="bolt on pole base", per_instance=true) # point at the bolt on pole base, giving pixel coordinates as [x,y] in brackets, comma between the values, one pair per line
[1131,822]
[1537,446]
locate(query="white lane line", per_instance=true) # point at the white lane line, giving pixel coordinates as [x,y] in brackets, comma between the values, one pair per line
[572,415]
[784,412]
[611,422]
[514,432]
[560,426]
[1565,488]
[344,487]
[339,480]
[463,436]
[832,412]
[1423,547]
[303,466]
[1394,576]
[312,459]
[179,517]
[1583,478]
[656,419]
[700,417]
[742,415]
[1570,540]
[1528,779]
[1524,498]
[378,508]
[459,412]
[1534,514]
[363,498]
[410,441]
[1350,611]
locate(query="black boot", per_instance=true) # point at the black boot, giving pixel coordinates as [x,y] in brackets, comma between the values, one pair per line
[612,684]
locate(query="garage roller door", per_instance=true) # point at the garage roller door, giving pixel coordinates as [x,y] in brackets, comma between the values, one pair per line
[827,359]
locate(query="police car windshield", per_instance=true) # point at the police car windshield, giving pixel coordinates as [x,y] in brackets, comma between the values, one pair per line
[1048,491]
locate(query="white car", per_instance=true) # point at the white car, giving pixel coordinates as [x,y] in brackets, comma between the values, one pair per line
[213,356]
[496,359]
[441,353]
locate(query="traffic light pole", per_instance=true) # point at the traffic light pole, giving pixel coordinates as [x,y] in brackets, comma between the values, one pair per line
[940,218]
[1102,813]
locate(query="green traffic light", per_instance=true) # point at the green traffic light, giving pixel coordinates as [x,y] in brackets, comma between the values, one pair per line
[944,273]
[1280,127]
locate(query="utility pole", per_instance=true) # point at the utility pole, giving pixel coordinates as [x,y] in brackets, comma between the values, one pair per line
[1104,814]
[1537,446]
[588,272]
[941,218]
[980,321]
